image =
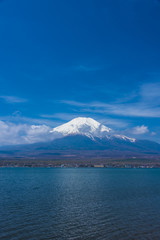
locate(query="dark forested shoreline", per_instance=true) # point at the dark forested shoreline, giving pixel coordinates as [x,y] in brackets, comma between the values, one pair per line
[99,163]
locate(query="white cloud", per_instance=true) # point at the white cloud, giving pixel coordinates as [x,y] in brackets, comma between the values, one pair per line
[11,133]
[153,133]
[140,130]
[17,118]
[140,109]
[146,103]
[38,133]
[13,99]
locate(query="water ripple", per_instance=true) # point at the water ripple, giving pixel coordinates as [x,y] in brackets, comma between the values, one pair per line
[72,204]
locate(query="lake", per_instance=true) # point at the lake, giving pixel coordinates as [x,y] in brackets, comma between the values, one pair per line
[79,203]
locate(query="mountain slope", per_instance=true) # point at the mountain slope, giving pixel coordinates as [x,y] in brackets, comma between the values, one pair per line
[86,127]
[83,137]
[82,126]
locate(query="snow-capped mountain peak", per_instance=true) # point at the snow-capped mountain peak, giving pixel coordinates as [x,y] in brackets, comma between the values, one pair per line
[82,126]
[87,127]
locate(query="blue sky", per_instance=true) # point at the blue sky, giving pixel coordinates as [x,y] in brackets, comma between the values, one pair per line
[64,59]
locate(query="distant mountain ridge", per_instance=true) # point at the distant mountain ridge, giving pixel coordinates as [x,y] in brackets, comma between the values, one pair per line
[83,138]
[87,127]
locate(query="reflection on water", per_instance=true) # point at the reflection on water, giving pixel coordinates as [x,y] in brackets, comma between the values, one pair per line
[84,204]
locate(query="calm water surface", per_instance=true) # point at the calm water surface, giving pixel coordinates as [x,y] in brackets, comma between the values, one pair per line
[50,203]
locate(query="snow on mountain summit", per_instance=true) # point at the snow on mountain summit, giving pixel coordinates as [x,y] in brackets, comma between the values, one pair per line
[87,127]
[82,126]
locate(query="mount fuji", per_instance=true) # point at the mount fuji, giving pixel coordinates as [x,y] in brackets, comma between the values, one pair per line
[87,127]
[83,138]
